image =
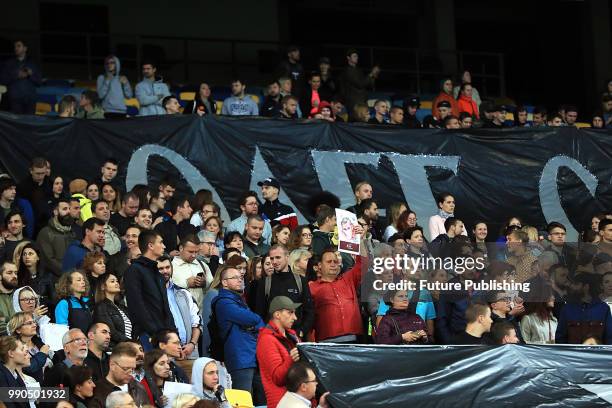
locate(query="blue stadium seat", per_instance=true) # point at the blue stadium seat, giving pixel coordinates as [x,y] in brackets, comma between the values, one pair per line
[132,111]
[50,99]
[421,113]
[53,90]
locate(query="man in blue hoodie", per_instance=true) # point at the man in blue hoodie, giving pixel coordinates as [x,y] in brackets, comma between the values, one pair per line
[239,104]
[151,91]
[21,76]
[113,89]
[585,314]
[239,327]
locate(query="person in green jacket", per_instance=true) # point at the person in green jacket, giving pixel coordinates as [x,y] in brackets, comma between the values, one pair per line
[8,284]
[89,106]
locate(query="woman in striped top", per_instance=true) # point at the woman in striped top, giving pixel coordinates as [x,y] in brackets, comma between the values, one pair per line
[109,310]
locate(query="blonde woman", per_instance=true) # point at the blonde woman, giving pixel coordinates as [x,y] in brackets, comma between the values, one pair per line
[298,261]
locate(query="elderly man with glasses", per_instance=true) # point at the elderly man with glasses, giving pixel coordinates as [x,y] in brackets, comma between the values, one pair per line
[120,374]
[75,350]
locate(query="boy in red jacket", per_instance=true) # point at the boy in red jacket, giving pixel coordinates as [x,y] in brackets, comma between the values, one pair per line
[276,348]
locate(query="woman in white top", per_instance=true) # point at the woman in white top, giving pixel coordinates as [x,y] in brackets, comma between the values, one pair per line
[446,205]
[539,325]
[395,210]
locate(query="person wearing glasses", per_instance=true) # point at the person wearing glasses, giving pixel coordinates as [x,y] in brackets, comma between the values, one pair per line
[75,350]
[26,300]
[499,301]
[300,238]
[241,325]
[301,388]
[23,326]
[122,364]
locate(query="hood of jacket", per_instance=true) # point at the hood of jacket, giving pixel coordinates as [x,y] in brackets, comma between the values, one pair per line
[117,64]
[197,375]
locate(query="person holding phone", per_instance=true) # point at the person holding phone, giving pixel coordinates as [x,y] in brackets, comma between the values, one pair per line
[399,325]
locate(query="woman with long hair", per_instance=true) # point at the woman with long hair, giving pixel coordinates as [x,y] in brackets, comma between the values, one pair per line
[407,219]
[466,78]
[394,212]
[298,261]
[143,192]
[94,266]
[112,196]
[281,234]
[301,237]
[538,325]
[73,309]
[31,271]
[23,326]
[203,104]
[157,372]
[520,117]
[446,209]
[57,186]
[111,311]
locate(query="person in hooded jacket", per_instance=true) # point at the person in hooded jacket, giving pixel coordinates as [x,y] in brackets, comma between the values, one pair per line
[113,89]
[25,299]
[209,380]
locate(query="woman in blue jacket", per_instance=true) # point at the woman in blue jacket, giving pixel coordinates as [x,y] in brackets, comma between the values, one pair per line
[73,309]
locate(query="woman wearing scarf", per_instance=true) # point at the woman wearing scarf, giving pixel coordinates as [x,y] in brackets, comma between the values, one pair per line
[446,205]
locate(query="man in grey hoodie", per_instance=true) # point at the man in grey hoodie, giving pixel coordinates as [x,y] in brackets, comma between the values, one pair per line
[113,88]
[151,91]
[239,104]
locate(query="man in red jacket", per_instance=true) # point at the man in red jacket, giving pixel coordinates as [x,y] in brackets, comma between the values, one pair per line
[337,315]
[276,348]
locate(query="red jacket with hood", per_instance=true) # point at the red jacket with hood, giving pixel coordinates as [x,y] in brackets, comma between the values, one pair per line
[274,360]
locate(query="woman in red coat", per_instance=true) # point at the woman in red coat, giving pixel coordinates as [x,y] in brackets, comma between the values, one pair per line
[465,101]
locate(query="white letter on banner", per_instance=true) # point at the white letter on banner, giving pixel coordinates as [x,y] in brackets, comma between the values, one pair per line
[550,200]
[413,179]
[332,172]
[261,171]
[137,172]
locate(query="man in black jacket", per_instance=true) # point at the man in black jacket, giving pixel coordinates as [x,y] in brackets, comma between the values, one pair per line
[292,68]
[146,291]
[354,82]
[284,282]
[272,103]
[177,227]
[37,189]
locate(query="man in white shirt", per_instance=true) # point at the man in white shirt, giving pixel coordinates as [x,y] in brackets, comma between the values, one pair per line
[301,388]
[189,272]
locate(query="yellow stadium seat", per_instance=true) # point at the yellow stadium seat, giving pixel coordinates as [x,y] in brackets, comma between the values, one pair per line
[239,398]
[132,102]
[187,96]
[255,98]
[42,108]
[426,105]
[509,116]
[219,107]
[581,125]
[91,85]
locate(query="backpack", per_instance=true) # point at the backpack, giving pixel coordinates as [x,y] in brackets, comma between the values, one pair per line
[217,340]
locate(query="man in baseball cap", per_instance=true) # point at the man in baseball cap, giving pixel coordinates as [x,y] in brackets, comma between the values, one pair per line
[411,105]
[276,348]
[272,209]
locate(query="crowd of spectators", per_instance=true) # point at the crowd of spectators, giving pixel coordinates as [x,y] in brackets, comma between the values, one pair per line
[154,288]
[292,93]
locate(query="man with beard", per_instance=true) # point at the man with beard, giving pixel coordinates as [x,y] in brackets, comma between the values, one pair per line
[75,351]
[184,310]
[8,284]
[368,209]
[55,238]
[560,284]
[585,314]
[139,372]
[97,359]
[249,205]
[272,103]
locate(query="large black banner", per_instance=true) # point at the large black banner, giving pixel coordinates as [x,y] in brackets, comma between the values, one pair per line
[541,175]
[463,376]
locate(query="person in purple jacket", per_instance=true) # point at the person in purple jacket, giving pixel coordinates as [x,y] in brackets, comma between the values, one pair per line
[399,325]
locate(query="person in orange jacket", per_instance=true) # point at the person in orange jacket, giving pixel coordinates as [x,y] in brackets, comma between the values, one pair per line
[446,94]
[465,101]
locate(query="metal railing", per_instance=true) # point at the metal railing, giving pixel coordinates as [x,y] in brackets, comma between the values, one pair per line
[187,60]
